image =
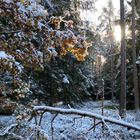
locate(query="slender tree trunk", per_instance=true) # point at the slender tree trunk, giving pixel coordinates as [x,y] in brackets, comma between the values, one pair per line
[112,61]
[122,110]
[135,77]
[111,36]
[112,74]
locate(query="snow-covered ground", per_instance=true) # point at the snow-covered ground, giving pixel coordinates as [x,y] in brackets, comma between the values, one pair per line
[72,127]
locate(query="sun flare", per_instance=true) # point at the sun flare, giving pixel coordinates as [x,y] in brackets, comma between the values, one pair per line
[117,33]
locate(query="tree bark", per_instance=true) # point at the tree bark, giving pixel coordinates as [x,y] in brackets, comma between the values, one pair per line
[135,77]
[122,109]
[112,74]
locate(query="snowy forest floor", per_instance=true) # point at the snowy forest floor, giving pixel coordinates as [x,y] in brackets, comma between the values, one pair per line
[72,127]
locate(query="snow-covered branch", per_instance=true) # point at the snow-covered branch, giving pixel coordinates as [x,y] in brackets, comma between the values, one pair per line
[85,114]
[6,130]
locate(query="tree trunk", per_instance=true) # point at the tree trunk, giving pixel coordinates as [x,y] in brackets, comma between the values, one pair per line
[135,77]
[112,74]
[122,110]
[112,62]
[111,36]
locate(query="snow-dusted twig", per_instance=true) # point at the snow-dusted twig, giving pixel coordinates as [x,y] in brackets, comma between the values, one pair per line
[94,126]
[41,116]
[110,131]
[5,131]
[87,114]
[69,106]
[52,129]
[15,136]
[94,123]
[29,137]
[116,108]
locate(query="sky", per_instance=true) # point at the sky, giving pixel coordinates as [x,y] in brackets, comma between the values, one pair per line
[93,16]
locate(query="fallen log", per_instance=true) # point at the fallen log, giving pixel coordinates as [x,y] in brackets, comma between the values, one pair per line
[85,114]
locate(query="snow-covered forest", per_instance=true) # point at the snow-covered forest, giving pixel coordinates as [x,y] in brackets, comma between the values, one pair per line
[69,70]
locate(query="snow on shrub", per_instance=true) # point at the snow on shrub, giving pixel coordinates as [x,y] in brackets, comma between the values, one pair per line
[29,38]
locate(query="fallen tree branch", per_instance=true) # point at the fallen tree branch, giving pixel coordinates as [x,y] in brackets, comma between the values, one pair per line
[86,114]
[6,130]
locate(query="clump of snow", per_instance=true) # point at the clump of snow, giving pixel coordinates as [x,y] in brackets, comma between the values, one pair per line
[65,79]
[40,25]
[49,3]
[138,61]
[52,51]
[58,33]
[11,61]
[4,55]
[8,1]
[19,66]
[34,9]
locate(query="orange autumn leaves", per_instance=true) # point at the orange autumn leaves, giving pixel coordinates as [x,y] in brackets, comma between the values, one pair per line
[56,34]
[67,40]
[78,49]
